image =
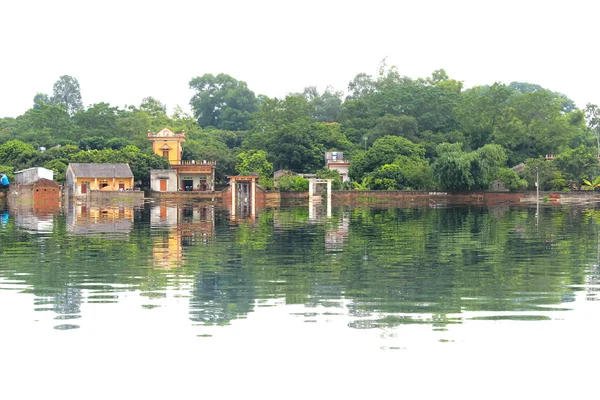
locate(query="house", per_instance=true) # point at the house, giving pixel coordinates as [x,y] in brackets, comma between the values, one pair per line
[189,175]
[30,175]
[335,160]
[81,178]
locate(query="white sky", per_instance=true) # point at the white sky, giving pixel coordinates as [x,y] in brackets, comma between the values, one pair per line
[122,51]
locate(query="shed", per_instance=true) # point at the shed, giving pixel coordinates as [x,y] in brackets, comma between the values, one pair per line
[30,175]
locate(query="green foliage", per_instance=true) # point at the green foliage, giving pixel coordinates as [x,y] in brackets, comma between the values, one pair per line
[326,173]
[222,102]
[9,171]
[292,183]
[455,169]
[15,152]
[59,167]
[511,179]
[593,185]
[384,151]
[577,164]
[67,93]
[254,161]
[550,178]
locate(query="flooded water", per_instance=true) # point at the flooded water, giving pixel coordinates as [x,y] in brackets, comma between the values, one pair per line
[184,301]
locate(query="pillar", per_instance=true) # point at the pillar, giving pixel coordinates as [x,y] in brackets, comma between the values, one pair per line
[232,186]
[253,197]
[328,198]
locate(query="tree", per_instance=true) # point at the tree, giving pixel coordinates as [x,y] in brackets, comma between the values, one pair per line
[455,169]
[66,92]
[286,131]
[39,99]
[384,151]
[577,164]
[326,106]
[254,161]
[222,102]
[98,120]
[392,125]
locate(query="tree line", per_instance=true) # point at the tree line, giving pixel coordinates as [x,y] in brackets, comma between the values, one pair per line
[400,133]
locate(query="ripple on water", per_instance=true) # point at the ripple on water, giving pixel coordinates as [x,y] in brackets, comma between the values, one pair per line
[65,327]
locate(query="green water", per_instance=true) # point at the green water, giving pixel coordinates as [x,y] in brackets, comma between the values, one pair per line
[166,300]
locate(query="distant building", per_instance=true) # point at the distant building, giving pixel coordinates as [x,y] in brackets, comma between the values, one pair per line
[30,175]
[335,160]
[189,175]
[84,177]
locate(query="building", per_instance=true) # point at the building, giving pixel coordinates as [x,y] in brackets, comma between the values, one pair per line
[335,160]
[189,175]
[30,175]
[81,178]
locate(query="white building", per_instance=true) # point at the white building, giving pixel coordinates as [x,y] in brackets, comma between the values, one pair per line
[31,175]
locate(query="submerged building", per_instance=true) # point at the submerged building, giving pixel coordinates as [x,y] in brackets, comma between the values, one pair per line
[184,175]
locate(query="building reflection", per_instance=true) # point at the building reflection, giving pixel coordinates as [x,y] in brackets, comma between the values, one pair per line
[99,220]
[182,225]
[33,216]
[337,234]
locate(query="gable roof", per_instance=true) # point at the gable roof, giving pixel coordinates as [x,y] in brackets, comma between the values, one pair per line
[91,170]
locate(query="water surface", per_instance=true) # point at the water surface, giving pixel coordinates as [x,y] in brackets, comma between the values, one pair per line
[182,300]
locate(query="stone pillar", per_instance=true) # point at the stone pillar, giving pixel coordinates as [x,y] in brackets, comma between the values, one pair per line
[253,197]
[328,198]
[232,187]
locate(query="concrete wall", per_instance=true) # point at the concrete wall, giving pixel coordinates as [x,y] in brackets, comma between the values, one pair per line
[157,174]
[110,196]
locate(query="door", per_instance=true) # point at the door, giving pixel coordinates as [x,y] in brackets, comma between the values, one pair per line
[163,185]
[121,186]
[84,187]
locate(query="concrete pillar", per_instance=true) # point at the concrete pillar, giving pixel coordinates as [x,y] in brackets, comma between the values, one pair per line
[253,197]
[233,205]
[310,188]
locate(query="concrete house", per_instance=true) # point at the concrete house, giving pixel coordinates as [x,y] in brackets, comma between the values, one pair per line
[186,175]
[335,160]
[30,175]
[82,178]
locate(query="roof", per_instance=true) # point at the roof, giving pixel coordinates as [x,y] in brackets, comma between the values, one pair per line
[32,169]
[91,170]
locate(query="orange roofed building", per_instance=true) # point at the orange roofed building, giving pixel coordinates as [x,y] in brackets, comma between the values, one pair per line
[186,175]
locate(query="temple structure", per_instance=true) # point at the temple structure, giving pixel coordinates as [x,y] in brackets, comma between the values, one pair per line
[184,175]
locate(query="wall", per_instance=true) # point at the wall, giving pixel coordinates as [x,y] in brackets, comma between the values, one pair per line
[43,195]
[157,174]
[111,196]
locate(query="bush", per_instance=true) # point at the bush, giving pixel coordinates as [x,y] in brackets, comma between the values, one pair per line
[292,183]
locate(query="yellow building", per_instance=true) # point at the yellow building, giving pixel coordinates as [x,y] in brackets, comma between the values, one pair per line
[84,177]
[188,175]
[167,143]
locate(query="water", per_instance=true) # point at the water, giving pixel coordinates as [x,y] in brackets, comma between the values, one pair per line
[182,301]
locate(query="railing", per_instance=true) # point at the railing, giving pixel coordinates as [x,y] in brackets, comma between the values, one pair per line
[336,160]
[162,135]
[197,162]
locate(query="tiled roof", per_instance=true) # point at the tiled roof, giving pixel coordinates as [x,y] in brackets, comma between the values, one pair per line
[91,170]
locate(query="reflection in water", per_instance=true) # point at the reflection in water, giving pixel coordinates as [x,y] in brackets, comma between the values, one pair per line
[98,220]
[178,226]
[381,268]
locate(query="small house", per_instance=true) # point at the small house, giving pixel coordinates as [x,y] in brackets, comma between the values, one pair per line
[335,160]
[30,175]
[84,177]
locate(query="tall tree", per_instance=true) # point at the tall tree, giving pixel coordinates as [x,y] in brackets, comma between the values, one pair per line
[67,92]
[222,102]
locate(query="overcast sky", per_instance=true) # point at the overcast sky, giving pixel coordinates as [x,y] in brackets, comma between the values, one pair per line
[122,51]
